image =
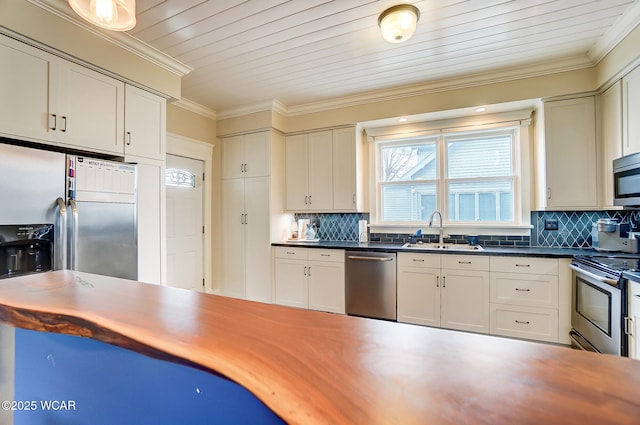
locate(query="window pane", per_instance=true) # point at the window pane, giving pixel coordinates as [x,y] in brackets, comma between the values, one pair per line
[487,206]
[408,202]
[479,157]
[463,195]
[506,206]
[406,163]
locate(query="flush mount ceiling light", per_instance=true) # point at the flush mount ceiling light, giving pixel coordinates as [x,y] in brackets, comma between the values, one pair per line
[115,15]
[398,23]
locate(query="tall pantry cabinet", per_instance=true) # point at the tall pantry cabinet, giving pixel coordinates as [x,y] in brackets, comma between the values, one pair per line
[252,212]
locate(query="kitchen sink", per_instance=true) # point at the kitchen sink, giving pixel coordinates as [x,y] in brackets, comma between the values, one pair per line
[443,247]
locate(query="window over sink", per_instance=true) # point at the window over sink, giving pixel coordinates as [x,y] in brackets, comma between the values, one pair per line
[472,174]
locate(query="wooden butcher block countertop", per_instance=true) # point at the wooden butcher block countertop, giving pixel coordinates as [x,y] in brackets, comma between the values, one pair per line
[320,368]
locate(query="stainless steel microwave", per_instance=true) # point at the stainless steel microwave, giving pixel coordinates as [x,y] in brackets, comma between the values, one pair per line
[626,181]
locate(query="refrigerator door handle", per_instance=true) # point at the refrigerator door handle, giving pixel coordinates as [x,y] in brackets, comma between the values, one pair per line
[74,235]
[61,236]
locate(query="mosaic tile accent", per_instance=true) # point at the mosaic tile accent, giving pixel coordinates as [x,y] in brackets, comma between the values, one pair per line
[335,227]
[574,227]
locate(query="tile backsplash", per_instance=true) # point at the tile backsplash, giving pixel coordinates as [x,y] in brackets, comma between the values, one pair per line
[574,229]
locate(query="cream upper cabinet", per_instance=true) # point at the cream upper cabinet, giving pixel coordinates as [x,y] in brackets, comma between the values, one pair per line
[633,320]
[59,102]
[87,111]
[145,124]
[246,155]
[345,183]
[609,113]
[570,158]
[631,112]
[25,74]
[309,171]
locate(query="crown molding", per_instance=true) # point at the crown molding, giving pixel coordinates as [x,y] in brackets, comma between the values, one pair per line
[120,39]
[196,108]
[605,44]
[273,105]
[489,77]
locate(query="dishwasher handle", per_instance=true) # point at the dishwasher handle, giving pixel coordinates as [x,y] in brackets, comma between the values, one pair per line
[360,257]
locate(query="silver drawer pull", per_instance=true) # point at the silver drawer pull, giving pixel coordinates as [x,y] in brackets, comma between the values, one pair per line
[523,265]
[523,290]
[417,259]
[325,255]
[464,262]
[522,323]
[290,253]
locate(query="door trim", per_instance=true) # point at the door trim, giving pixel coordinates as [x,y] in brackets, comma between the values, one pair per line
[203,151]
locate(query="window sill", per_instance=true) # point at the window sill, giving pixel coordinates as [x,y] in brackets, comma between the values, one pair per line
[458,229]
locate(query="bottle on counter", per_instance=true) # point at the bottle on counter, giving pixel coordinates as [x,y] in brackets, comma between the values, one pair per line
[294,230]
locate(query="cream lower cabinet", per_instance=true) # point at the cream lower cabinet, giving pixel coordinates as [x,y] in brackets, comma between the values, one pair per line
[310,278]
[449,291]
[633,323]
[524,298]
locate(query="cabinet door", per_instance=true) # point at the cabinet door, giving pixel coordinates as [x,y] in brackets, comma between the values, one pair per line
[24,90]
[610,131]
[465,300]
[233,254]
[631,112]
[570,134]
[296,173]
[419,296]
[326,286]
[634,314]
[145,124]
[320,170]
[90,109]
[256,154]
[232,157]
[344,170]
[257,246]
[291,283]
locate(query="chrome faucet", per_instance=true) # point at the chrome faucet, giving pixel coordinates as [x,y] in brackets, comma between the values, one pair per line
[431,223]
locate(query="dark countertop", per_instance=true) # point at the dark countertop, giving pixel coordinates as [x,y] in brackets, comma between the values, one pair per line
[534,251]
[313,368]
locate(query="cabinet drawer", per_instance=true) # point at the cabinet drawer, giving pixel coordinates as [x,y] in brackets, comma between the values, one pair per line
[465,262]
[524,289]
[291,252]
[524,265]
[539,324]
[411,259]
[333,255]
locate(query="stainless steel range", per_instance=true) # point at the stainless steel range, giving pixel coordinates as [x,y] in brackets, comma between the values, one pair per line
[599,303]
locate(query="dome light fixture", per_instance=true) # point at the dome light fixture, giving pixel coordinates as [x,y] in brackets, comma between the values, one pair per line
[398,23]
[114,15]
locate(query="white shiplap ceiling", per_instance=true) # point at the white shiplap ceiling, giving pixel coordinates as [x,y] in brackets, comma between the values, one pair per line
[301,52]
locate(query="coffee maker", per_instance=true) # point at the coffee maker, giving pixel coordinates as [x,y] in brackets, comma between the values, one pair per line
[607,234]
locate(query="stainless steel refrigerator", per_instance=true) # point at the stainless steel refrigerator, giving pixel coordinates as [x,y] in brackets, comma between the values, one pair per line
[90,202]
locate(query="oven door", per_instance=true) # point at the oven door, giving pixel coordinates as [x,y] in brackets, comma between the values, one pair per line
[596,314]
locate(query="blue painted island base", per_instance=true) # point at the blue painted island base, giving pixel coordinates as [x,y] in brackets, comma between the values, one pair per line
[63,379]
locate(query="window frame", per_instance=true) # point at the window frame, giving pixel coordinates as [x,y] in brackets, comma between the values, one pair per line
[521,155]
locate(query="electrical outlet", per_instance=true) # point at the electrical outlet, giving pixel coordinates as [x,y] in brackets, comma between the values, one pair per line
[551,224]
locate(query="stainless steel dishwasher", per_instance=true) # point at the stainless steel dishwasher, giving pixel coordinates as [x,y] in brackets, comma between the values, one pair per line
[371,284]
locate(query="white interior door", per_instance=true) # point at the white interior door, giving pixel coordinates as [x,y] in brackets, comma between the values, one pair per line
[185,265]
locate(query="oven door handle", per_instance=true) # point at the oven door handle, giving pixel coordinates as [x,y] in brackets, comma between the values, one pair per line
[581,343]
[606,280]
